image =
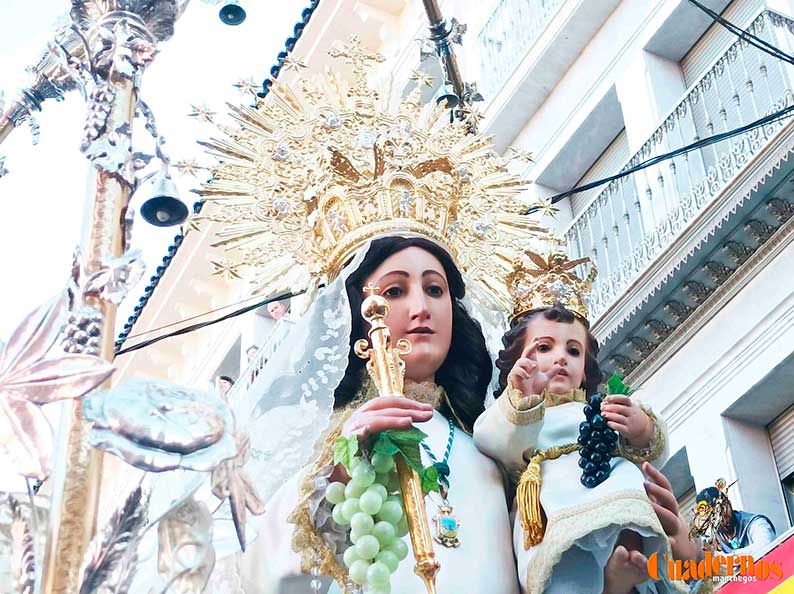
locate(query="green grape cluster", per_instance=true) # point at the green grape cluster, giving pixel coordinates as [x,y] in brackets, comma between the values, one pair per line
[371,506]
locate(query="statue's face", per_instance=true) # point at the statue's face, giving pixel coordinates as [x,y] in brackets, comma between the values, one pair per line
[420,308]
[560,351]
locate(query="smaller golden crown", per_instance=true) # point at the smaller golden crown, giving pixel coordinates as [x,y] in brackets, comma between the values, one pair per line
[537,282]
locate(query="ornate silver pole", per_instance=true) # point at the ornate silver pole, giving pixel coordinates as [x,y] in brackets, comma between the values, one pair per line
[53,77]
[119,46]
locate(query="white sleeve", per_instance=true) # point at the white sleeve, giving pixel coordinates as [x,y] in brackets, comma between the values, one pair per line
[509,435]
[664,451]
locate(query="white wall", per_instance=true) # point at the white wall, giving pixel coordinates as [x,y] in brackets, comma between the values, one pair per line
[730,355]
[601,65]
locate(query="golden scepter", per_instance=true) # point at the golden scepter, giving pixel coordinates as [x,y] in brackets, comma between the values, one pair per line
[387,369]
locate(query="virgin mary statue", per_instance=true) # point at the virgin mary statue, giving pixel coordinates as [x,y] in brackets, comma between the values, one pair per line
[327,187]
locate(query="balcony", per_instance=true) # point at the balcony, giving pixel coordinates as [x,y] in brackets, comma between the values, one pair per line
[779,551]
[507,36]
[634,222]
[248,377]
[524,49]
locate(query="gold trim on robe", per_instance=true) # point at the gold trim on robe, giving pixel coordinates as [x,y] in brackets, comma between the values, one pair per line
[624,507]
[654,449]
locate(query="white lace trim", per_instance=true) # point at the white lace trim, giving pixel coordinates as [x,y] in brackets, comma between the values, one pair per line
[622,508]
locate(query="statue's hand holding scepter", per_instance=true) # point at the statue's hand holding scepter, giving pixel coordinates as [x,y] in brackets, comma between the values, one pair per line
[387,370]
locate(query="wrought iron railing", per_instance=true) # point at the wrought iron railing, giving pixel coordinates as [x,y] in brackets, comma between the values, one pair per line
[630,222]
[510,32]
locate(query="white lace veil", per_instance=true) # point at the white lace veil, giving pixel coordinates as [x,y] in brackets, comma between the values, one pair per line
[290,402]
[284,411]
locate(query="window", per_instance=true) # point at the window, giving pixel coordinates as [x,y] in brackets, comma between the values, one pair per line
[781,436]
[788,493]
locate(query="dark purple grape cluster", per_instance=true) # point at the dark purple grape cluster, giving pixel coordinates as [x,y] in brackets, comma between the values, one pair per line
[597,442]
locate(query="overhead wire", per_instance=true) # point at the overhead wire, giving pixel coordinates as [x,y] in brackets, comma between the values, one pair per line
[783,113]
[698,144]
[745,35]
[191,318]
[774,117]
[193,327]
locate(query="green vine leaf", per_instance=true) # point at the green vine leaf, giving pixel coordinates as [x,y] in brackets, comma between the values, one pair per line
[384,445]
[406,443]
[615,385]
[429,478]
[345,449]
[406,436]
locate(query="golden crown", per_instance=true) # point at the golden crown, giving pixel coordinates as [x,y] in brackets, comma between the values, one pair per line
[312,174]
[537,282]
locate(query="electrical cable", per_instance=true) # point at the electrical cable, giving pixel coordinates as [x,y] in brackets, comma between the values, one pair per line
[766,120]
[200,325]
[195,317]
[698,144]
[743,34]
[753,40]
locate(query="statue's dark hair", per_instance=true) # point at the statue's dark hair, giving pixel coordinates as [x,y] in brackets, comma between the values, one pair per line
[514,341]
[466,371]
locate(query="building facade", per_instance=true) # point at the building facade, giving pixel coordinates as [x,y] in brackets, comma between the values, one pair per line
[694,303]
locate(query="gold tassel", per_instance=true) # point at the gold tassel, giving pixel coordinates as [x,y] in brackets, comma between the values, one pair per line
[528,494]
[528,502]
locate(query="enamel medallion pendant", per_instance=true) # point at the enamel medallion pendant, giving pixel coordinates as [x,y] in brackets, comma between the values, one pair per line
[446,527]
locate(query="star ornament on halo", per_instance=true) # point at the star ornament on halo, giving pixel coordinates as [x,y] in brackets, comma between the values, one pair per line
[202,113]
[292,64]
[188,167]
[247,86]
[520,154]
[546,207]
[225,269]
[472,115]
[421,78]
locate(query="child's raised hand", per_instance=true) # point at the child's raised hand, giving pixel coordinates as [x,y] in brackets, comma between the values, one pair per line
[628,419]
[526,378]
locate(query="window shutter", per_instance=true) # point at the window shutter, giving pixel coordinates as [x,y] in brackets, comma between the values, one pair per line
[781,434]
[609,163]
[717,39]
